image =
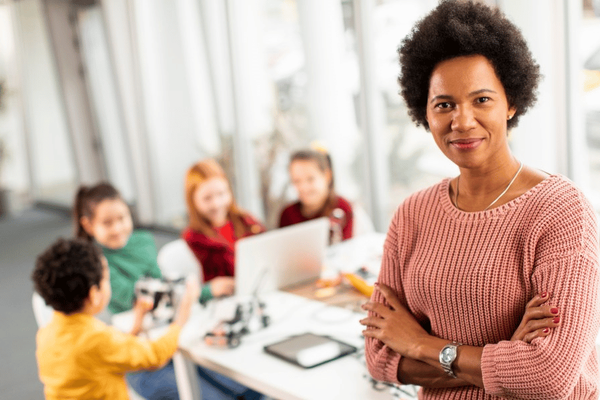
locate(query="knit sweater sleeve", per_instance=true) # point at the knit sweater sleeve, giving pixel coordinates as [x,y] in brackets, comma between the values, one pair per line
[566,266]
[382,361]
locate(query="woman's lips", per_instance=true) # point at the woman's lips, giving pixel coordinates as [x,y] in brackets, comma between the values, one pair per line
[466,144]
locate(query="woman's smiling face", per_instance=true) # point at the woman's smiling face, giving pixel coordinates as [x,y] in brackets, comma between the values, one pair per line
[467,112]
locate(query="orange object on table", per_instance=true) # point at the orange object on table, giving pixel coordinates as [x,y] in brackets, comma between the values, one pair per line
[329,282]
[359,283]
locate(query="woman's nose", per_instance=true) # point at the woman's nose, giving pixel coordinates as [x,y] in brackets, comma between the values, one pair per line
[463,119]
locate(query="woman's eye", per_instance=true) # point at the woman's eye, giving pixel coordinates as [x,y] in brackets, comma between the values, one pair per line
[483,99]
[443,105]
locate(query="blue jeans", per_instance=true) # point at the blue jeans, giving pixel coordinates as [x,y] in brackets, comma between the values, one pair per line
[215,386]
[161,385]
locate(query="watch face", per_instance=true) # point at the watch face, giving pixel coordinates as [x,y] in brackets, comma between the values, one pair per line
[448,354]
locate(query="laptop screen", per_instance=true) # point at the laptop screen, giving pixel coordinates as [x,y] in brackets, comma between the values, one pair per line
[281,257]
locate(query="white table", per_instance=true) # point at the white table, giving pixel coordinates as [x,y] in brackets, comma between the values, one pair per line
[344,378]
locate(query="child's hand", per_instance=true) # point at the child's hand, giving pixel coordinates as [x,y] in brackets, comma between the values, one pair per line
[192,292]
[222,286]
[140,308]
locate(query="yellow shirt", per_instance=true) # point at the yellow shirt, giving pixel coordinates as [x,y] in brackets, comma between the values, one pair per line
[80,357]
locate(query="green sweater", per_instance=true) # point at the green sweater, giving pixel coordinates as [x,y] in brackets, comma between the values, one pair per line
[135,260]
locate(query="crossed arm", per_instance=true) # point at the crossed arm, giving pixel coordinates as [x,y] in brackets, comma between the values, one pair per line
[397,328]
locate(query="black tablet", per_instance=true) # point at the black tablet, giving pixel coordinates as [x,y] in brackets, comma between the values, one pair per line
[309,350]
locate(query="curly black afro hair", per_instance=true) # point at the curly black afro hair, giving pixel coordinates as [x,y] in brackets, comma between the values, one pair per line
[462,28]
[65,273]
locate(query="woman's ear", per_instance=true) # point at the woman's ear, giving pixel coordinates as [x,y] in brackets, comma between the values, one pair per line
[87,225]
[511,112]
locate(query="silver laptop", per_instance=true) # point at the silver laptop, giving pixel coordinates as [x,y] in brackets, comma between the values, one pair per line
[281,257]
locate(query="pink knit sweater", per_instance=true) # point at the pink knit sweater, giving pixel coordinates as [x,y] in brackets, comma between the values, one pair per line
[467,277]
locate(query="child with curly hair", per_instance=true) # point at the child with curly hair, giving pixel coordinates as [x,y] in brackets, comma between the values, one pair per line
[78,355]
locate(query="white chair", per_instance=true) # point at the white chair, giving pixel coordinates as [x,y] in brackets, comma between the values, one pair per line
[176,260]
[41,311]
[361,223]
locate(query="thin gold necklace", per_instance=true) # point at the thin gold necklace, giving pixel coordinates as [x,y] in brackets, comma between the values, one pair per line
[497,198]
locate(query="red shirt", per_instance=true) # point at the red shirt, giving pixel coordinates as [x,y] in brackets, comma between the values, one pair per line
[292,214]
[217,254]
[227,232]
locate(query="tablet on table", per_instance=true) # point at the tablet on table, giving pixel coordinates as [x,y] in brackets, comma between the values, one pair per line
[309,350]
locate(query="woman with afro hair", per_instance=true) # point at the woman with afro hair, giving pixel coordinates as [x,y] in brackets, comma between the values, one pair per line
[489,284]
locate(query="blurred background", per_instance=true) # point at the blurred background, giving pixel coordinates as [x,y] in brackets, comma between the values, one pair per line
[135,91]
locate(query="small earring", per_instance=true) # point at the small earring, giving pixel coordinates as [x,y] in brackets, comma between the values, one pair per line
[510,117]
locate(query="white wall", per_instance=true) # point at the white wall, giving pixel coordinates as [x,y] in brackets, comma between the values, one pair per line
[105,101]
[171,119]
[51,154]
[535,140]
[14,171]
